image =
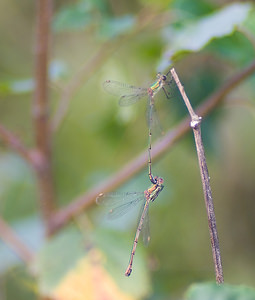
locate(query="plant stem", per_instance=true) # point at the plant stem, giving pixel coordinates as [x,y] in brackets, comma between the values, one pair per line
[195,124]
[14,242]
[41,111]
[14,143]
[209,205]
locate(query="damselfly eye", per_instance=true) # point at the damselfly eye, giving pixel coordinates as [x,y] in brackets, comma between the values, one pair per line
[163,77]
[160,180]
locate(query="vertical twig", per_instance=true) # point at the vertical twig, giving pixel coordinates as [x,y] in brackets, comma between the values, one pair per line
[41,111]
[195,125]
[14,242]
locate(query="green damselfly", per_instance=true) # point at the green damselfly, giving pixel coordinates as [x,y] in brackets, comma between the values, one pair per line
[124,201]
[130,94]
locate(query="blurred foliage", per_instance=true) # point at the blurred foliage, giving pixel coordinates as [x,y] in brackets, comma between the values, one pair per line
[92,14]
[213,291]
[195,34]
[208,41]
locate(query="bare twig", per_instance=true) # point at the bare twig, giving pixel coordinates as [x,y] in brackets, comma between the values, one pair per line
[40,110]
[14,242]
[14,143]
[64,215]
[195,125]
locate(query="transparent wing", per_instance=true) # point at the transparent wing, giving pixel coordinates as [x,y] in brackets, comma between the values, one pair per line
[146,229]
[152,118]
[128,94]
[132,98]
[120,203]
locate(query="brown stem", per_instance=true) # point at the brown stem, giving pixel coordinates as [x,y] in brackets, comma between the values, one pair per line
[14,143]
[63,216]
[14,242]
[195,125]
[209,205]
[41,111]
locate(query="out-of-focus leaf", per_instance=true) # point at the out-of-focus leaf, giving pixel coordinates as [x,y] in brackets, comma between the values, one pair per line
[18,284]
[196,35]
[17,186]
[160,4]
[73,17]
[80,15]
[87,13]
[191,9]
[16,86]
[212,291]
[113,27]
[232,48]
[30,231]
[57,70]
[57,257]
[89,280]
[116,248]
[249,23]
[87,267]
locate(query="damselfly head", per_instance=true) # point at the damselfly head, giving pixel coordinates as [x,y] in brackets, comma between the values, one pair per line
[158,180]
[161,77]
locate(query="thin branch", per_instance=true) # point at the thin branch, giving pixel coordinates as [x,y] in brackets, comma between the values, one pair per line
[41,110]
[195,124]
[14,242]
[14,143]
[63,216]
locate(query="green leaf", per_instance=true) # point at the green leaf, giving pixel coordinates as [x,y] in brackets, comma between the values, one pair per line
[197,34]
[96,259]
[73,17]
[57,257]
[57,70]
[212,291]
[249,23]
[192,9]
[16,86]
[16,182]
[112,27]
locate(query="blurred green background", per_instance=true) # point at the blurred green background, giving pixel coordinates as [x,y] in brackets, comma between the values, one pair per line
[130,42]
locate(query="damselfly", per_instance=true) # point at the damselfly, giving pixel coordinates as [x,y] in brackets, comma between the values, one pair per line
[129,200]
[130,94]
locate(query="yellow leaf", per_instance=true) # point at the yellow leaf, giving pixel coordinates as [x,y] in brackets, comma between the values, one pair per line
[89,281]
